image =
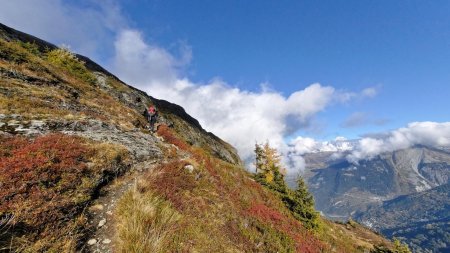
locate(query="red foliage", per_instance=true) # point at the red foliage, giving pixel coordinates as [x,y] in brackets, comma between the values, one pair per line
[305,241]
[172,181]
[265,213]
[168,135]
[38,171]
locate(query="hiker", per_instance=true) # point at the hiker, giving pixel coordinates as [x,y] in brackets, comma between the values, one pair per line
[152,115]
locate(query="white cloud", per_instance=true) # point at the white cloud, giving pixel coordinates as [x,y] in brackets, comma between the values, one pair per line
[88,30]
[432,134]
[238,116]
[343,96]
[142,64]
[370,92]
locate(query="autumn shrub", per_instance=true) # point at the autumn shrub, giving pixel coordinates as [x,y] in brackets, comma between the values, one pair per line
[170,137]
[13,52]
[172,182]
[304,241]
[46,183]
[67,60]
[30,47]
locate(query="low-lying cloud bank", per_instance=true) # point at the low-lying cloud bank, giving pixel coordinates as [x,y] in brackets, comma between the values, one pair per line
[432,134]
[240,117]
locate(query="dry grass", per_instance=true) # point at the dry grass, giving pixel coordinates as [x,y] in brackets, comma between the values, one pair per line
[145,222]
[56,85]
[351,237]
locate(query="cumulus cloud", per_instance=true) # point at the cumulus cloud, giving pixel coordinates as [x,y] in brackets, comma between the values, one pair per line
[432,134]
[240,117]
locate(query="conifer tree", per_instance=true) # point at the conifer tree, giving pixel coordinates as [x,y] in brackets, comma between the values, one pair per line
[303,206]
[400,247]
[270,173]
[269,170]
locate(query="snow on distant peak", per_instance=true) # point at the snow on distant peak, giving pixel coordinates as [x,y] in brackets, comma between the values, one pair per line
[305,145]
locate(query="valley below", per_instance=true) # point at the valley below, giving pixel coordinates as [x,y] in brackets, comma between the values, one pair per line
[403,194]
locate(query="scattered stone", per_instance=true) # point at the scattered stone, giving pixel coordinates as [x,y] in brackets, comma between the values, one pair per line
[106,241]
[92,242]
[97,207]
[189,167]
[109,213]
[102,223]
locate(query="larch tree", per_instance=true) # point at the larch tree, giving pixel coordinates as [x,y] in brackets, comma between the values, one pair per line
[270,173]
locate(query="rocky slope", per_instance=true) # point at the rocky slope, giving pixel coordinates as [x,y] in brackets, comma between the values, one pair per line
[396,179]
[423,218]
[79,171]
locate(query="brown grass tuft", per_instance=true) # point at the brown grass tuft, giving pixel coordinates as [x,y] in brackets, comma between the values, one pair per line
[145,221]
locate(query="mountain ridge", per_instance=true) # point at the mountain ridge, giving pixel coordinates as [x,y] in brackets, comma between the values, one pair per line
[369,191]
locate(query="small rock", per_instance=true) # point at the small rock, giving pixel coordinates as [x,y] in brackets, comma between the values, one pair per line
[97,207]
[189,167]
[109,213]
[102,223]
[106,241]
[92,242]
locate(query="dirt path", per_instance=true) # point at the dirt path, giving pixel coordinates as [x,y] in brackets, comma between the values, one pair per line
[101,212]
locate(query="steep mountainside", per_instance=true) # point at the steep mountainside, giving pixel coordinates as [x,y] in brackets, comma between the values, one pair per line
[423,218]
[342,189]
[80,172]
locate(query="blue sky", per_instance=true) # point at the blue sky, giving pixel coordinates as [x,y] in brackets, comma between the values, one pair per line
[266,70]
[403,47]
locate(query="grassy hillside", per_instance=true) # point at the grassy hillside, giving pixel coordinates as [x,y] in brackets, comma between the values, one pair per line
[68,128]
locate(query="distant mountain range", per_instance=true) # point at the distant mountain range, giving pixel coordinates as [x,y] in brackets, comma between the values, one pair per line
[404,193]
[423,218]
